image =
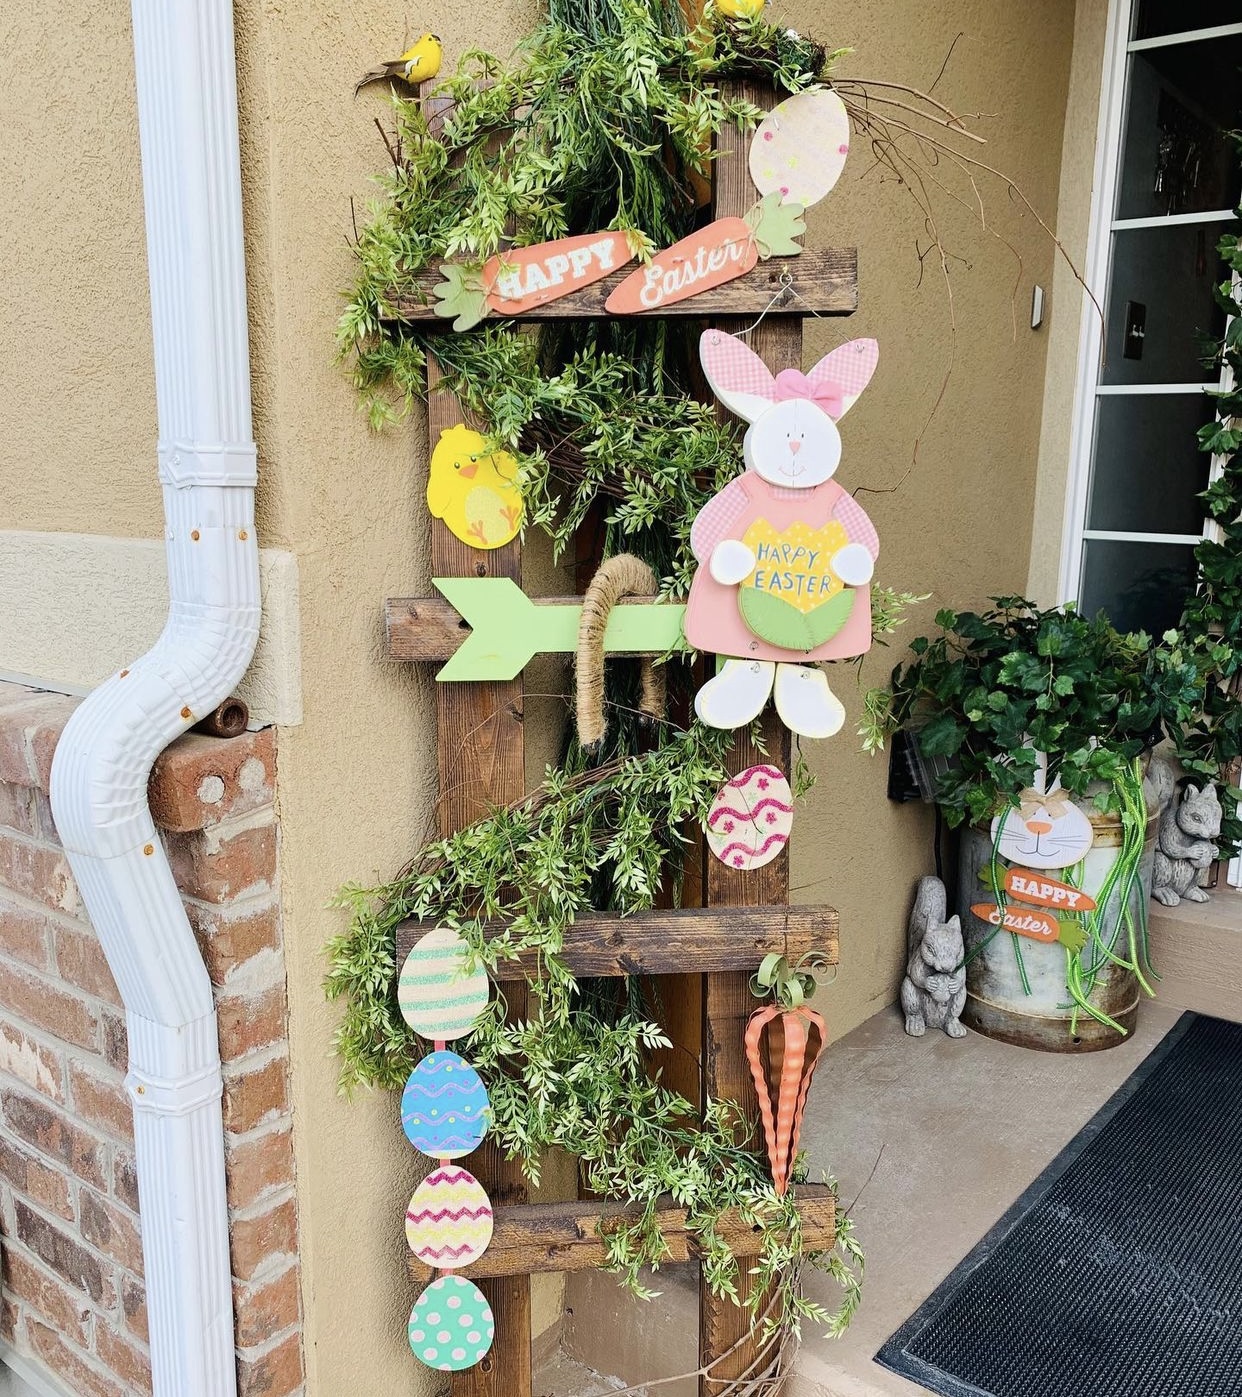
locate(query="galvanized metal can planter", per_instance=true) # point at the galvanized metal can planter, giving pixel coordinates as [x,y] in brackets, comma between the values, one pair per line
[998,1004]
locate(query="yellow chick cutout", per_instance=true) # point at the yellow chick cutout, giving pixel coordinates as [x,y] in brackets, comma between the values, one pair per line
[419,63]
[474,491]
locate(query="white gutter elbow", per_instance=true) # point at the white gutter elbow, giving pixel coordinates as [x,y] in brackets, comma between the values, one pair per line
[187,105]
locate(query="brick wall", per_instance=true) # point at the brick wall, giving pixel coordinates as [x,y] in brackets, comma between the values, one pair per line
[72,1294]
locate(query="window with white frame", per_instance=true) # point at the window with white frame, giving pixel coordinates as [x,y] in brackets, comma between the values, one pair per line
[1166,183]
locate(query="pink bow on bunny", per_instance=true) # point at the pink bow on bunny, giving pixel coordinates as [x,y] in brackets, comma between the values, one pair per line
[827,395]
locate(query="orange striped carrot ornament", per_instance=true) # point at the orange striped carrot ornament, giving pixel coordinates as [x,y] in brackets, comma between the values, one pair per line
[783,1043]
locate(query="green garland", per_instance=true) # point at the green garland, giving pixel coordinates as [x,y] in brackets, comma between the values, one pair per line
[616,105]
[574,1071]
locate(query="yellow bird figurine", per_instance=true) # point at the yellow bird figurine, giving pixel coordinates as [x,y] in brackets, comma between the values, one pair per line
[419,63]
[740,9]
[474,490]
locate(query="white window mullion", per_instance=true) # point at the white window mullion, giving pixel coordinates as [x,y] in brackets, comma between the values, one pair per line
[1187,36]
[1099,251]
[1172,220]
[1141,390]
[1130,536]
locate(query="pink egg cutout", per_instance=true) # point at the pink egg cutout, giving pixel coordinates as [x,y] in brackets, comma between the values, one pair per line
[750,820]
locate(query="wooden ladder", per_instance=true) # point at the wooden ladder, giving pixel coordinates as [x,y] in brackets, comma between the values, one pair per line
[745,916]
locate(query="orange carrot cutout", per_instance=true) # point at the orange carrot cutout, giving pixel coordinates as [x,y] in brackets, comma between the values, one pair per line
[783,1043]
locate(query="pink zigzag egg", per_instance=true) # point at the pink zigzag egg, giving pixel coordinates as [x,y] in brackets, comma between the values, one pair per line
[749,821]
[449,1220]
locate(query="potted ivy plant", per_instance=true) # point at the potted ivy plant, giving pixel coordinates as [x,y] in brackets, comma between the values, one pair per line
[1040,724]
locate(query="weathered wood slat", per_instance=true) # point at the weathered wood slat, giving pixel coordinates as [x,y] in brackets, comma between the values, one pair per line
[534,1238]
[665,941]
[480,756]
[820,281]
[726,1328]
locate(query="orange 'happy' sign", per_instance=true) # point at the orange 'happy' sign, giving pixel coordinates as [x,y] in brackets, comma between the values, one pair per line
[525,277]
[1046,892]
[1039,926]
[723,251]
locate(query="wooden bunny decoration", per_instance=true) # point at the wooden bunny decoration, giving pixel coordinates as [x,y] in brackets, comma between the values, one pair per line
[785,554]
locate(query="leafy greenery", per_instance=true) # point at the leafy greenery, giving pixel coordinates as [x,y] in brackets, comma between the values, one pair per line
[1211,624]
[573,1071]
[993,689]
[599,122]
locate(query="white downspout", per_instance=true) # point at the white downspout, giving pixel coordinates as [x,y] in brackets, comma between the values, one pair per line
[187,107]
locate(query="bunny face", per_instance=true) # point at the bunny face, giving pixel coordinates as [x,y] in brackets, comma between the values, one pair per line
[1045,831]
[793,444]
[793,439]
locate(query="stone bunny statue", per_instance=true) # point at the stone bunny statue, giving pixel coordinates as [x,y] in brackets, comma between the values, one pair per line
[1186,845]
[934,990]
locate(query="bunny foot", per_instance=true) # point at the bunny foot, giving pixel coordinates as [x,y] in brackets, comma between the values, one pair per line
[805,703]
[737,694]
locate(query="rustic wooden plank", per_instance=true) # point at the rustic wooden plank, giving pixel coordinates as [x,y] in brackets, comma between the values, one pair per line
[665,941]
[480,757]
[431,629]
[819,281]
[539,1237]
[727,1003]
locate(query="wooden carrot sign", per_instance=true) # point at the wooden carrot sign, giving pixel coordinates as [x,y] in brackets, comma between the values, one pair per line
[723,251]
[522,278]
[1043,891]
[1039,926]
[718,253]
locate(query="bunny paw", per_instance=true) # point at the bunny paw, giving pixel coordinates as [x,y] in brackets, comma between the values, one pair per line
[853,564]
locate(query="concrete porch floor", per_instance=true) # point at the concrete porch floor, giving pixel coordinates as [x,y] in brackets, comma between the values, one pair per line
[931,1141]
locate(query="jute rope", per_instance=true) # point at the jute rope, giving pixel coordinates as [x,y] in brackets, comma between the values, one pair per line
[621,576]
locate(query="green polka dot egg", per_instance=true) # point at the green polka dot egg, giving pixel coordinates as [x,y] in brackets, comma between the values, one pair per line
[451,1325]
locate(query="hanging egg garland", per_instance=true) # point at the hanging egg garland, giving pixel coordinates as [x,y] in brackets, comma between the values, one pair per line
[445,1114]
[444,1107]
[451,1325]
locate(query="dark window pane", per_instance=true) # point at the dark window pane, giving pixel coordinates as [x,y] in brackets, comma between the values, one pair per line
[1139,586]
[1169,274]
[1176,16]
[1180,102]
[1147,468]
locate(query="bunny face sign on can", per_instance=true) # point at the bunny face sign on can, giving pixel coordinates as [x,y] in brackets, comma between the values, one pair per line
[785,554]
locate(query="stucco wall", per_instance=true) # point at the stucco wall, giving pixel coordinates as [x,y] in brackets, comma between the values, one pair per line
[1065,329]
[77,414]
[958,522]
[355,780]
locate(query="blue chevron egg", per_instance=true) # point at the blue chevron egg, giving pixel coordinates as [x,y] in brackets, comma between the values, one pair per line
[444,1108]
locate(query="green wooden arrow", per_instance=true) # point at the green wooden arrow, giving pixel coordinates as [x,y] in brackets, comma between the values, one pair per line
[508,628]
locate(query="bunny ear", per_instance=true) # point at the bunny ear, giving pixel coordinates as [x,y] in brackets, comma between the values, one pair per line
[739,378]
[849,368]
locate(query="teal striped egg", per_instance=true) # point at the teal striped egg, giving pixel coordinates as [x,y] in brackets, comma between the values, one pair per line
[438,997]
[444,1107]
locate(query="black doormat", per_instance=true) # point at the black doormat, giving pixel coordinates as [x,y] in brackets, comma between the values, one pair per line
[1119,1272]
